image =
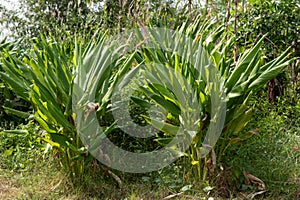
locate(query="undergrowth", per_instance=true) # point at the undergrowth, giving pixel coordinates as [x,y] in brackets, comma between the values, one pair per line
[29,171]
[273,154]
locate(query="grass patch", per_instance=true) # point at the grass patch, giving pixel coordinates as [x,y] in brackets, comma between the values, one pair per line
[273,155]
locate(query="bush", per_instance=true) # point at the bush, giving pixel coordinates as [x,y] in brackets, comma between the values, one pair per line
[20,147]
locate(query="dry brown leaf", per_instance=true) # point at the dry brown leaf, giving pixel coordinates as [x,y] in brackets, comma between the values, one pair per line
[253,179]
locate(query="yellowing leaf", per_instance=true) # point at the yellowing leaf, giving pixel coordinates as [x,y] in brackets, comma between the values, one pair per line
[195,162]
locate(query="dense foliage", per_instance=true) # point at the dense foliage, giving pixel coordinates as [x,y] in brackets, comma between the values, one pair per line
[280,20]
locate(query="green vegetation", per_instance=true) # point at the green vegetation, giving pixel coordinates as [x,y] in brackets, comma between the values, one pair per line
[223,85]
[277,142]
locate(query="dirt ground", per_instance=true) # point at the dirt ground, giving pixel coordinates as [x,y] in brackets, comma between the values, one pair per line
[7,190]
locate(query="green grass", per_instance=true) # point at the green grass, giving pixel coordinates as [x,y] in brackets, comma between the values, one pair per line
[273,155]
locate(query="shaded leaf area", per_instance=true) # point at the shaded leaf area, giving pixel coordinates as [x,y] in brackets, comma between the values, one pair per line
[7,97]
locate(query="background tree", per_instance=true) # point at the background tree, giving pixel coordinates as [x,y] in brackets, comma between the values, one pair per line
[54,17]
[281,21]
[59,18]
